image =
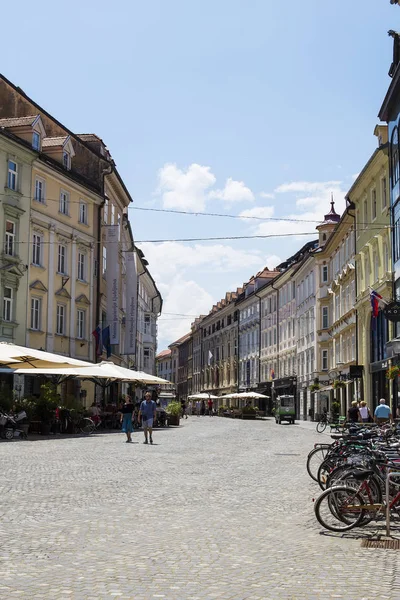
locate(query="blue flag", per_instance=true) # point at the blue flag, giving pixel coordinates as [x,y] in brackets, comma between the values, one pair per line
[105,334]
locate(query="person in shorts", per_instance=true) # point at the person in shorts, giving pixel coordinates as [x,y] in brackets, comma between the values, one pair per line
[382,413]
[148,413]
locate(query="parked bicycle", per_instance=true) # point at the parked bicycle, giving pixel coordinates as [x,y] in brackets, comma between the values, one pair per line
[72,421]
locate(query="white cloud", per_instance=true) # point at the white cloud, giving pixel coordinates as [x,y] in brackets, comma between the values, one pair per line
[234,191]
[305,186]
[267,195]
[355,176]
[263,212]
[185,190]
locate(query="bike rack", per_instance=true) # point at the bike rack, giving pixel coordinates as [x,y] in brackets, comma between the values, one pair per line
[390,476]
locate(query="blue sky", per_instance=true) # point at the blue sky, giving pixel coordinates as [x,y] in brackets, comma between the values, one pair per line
[219,106]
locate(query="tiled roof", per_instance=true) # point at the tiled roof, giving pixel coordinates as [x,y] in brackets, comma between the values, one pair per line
[182,339]
[18,121]
[89,137]
[164,354]
[54,141]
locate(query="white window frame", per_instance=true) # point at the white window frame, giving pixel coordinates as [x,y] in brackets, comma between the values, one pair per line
[12,175]
[81,324]
[105,211]
[37,244]
[147,324]
[36,137]
[10,238]
[8,304]
[325,270]
[61,319]
[42,196]
[324,360]
[64,202]
[66,159]
[36,309]
[81,266]
[325,317]
[112,214]
[83,211]
[384,192]
[374,206]
[62,259]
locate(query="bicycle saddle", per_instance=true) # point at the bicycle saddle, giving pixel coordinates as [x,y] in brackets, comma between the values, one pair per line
[359,475]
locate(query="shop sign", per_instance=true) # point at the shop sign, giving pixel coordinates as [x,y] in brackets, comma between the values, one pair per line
[392,311]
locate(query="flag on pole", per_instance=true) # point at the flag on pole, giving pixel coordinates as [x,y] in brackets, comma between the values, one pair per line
[272,374]
[210,356]
[98,339]
[374,298]
[105,334]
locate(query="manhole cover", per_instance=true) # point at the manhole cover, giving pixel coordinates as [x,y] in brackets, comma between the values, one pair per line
[384,544]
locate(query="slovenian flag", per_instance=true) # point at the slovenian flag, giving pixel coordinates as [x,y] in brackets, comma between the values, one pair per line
[272,374]
[375,297]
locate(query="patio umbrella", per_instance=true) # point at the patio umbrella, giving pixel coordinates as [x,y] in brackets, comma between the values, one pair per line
[14,356]
[253,395]
[103,373]
[203,396]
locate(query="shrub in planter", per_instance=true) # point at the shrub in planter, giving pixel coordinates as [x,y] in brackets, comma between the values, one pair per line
[249,412]
[45,407]
[393,372]
[314,387]
[174,410]
[337,384]
[335,409]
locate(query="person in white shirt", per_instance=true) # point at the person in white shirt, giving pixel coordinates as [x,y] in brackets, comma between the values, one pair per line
[365,414]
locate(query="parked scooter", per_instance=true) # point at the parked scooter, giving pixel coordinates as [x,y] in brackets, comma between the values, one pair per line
[10,426]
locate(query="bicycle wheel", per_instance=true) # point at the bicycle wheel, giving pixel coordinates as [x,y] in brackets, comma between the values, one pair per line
[87,426]
[324,470]
[314,460]
[339,508]
[321,426]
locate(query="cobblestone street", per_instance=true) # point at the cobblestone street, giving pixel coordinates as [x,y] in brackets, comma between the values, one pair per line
[218,509]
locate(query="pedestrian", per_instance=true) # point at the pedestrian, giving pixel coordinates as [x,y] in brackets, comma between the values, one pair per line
[382,413]
[183,409]
[210,407]
[148,413]
[190,408]
[365,414]
[126,418]
[353,414]
[203,408]
[198,408]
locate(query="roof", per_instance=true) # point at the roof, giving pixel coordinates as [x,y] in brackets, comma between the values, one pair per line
[54,141]
[181,340]
[18,121]
[164,354]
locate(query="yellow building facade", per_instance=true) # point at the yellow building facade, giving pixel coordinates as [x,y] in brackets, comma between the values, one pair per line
[370,197]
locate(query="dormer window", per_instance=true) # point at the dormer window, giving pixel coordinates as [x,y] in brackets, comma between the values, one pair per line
[36,141]
[66,159]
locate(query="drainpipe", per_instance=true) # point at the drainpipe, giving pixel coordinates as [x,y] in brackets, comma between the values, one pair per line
[353,216]
[105,172]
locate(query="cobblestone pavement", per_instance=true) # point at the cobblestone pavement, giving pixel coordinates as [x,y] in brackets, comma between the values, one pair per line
[215,509]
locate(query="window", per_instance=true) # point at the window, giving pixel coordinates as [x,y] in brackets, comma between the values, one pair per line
[61,319]
[37,250]
[112,214]
[394,154]
[367,272]
[324,360]
[62,259]
[36,140]
[147,324]
[8,304]
[384,193]
[12,181]
[64,202]
[146,358]
[104,268]
[66,159]
[376,265]
[83,212]
[373,204]
[105,211]
[365,214]
[325,317]
[385,257]
[324,273]
[80,324]
[35,313]
[39,190]
[10,238]
[81,266]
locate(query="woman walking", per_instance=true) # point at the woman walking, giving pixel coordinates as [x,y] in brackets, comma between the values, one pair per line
[126,418]
[364,413]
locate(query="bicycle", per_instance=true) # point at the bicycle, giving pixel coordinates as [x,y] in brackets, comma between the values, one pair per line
[79,423]
[326,420]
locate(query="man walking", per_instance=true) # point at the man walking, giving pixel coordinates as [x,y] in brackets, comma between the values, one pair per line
[148,412]
[382,413]
[210,407]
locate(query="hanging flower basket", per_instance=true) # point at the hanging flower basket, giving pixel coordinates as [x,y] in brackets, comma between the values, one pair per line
[393,372]
[314,387]
[337,384]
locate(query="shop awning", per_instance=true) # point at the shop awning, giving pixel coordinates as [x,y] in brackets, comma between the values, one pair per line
[29,358]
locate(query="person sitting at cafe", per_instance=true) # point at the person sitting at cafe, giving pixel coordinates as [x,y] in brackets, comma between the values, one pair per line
[382,413]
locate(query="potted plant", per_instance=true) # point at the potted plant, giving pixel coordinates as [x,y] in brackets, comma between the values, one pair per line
[45,407]
[393,372]
[173,410]
[335,409]
[249,412]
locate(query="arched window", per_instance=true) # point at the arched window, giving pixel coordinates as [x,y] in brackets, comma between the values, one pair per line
[394,156]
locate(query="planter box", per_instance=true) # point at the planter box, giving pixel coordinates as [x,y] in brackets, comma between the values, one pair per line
[173,419]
